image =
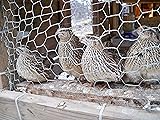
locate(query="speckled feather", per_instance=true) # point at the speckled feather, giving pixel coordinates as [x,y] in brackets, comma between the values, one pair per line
[98,65]
[144,58]
[70,52]
[28,68]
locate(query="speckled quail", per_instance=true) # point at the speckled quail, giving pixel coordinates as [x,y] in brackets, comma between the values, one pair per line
[70,52]
[143,57]
[27,66]
[97,63]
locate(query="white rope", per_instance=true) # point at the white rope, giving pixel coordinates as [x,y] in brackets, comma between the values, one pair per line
[101,112]
[16,102]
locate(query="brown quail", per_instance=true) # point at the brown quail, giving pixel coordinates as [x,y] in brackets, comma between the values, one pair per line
[97,63]
[70,52]
[27,66]
[143,57]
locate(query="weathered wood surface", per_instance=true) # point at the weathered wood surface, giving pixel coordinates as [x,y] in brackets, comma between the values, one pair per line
[152,21]
[7,105]
[98,17]
[3,54]
[65,16]
[144,1]
[35,107]
[115,20]
[123,96]
[3,64]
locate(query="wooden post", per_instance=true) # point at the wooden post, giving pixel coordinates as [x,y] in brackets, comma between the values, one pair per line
[3,64]
[1,16]
[115,8]
[64,5]
[144,1]
[99,16]
[114,21]
[96,17]
[3,54]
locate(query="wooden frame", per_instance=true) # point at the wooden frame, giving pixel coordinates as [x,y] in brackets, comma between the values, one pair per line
[35,107]
[146,1]
[3,55]
[3,65]
[121,95]
[66,17]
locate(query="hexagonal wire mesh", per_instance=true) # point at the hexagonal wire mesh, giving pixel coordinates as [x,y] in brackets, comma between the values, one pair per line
[121,50]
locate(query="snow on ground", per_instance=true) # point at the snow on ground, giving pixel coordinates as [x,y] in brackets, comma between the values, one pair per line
[65,76]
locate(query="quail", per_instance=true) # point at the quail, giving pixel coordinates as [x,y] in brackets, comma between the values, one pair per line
[28,67]
[143,58]
[70,52]
[97,63]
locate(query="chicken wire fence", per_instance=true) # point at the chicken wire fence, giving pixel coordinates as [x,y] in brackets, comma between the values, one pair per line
[111,41]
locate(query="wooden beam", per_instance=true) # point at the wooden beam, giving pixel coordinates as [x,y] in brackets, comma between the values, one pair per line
[35,107]
[3,54]
[98,17]
[114,21]
[142,1]
[120,95]
[3,64]
[65,16]
[1,16]
[8,107]
[152,21]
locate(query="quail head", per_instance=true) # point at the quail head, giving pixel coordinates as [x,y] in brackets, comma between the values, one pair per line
[97,63]
[28,67]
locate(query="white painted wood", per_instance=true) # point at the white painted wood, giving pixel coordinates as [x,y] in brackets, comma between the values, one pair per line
[35,107]
[7,105]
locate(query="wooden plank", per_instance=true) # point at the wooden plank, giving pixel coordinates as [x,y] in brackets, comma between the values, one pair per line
[3,54]
[129,96]
[99,12]
[125,113]
[115,10]
[3,64]
[45,108]
[7,105]
[65,16]
[35,107]
[152,21]
[142,1]
[1,16]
